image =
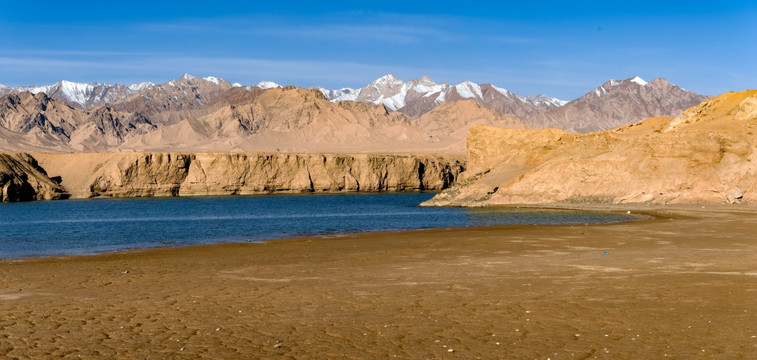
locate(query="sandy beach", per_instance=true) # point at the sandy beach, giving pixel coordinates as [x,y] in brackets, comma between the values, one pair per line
[681,285]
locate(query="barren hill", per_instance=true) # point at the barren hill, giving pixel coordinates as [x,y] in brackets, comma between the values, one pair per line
[38,123]
[303,120]
[278,119]
[705,155]
[617,103]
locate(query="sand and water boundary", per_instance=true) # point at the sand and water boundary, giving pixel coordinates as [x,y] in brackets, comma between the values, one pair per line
[679,285]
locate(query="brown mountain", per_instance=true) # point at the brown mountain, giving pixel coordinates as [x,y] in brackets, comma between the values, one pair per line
[186,93]
[705,155]
[39,123]
[616,103]
[210,114]
[39,117]
[294,119]
[78,95]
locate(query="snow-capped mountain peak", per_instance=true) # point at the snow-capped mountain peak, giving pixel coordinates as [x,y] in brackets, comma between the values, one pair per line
[213,79]
[388,85]
[469,90]
[544,100]
[610,84]
[638,80]
[426,86]
[76,92]
[236,84]
[387,79]
[141,86]
[267,85]
[504,92]
[343,94]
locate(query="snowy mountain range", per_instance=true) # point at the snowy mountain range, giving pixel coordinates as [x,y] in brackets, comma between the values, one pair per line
[83,95]
[396,94]
[614,103]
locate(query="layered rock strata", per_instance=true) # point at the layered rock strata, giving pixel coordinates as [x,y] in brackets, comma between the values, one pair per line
[195,174]
[22,179]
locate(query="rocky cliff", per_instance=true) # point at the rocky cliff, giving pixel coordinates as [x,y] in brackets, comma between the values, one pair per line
[194,174]
[22,179]
[704,156]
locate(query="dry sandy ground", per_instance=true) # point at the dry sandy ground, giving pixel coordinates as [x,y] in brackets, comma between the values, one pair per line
[681,286]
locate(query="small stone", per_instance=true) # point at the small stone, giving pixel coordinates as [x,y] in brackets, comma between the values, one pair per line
[451,350]
[733,195]
[277,346]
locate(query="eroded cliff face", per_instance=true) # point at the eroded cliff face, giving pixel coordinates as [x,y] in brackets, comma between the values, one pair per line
[196,174]
[707,155]
[22,179]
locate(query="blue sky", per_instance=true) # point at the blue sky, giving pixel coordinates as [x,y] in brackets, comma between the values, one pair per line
[562,49]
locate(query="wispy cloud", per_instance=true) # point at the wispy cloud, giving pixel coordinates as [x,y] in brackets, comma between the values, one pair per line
[398,34]
[371,27]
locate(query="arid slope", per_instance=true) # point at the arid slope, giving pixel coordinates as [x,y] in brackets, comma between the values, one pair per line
[301,120]
[704,156]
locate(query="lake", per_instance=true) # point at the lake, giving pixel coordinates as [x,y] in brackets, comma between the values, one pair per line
[74,227]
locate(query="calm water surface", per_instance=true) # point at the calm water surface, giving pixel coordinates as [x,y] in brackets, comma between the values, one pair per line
[72,227]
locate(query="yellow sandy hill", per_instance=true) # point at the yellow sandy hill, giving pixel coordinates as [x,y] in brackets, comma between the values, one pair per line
[705,155]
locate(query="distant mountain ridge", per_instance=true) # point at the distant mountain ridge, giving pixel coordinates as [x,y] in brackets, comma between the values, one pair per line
[616,103]
[416,97]
[389,114]
[288,119]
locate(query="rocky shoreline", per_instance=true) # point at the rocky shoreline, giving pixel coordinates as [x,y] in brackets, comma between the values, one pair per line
[51,176]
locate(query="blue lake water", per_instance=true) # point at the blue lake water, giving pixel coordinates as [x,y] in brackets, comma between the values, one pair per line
[73,227]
